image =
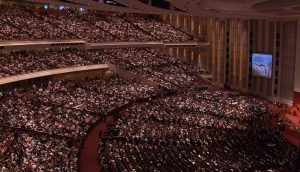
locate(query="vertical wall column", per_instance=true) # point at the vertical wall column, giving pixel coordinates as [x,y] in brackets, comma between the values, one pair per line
[177,23]
[189,24]
[196,26]
[297,68]
[287,59]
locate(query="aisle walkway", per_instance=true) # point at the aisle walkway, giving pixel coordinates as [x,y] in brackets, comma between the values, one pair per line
[89,154]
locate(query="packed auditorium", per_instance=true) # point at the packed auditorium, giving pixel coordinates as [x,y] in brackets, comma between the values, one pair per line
[149,85]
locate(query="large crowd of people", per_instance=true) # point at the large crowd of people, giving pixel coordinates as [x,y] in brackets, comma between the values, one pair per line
[16,63]
[28,23]
[212,109]
[65,109]
[19,23]
[214,150]
[188,126]
[34,152]
[190,130]
[196,131]
[159,30]
[148,63]
[161,68]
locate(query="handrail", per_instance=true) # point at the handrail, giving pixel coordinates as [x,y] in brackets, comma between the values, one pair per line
[51,72]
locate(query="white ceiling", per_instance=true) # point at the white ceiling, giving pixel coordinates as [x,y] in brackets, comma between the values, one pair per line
[241,8]
[222,8]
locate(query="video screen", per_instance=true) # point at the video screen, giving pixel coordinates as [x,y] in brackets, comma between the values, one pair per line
[262,65]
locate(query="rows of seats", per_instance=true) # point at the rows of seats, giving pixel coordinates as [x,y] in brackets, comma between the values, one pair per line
[204,130]
[16,63]
[123,29]
[82,26]
[147,64]
[192,130]
[216,150]
[197,109]
[158,28]
[19,23]
[67,108]
[33,152]
[28,23]
[61,113]
[157,67]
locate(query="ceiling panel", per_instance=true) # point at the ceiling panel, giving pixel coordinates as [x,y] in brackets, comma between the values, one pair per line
[223,8]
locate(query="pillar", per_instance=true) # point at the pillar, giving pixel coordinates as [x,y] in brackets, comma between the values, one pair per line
[297,68]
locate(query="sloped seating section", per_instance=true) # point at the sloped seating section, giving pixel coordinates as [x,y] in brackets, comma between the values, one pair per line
[67,108]
[193,129]
[221,150]
[28,23]
[32,152]
[83,26]
[19,23]
[160,68]
[16,63]
[121,28]
[204,130]
[158,28]
[61,112]
[157,67]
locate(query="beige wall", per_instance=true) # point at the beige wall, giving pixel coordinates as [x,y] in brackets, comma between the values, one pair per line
[297,62]
[287,60]
[196,26]
[231,43]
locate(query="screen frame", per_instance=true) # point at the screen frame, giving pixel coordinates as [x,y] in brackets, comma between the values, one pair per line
[261,76]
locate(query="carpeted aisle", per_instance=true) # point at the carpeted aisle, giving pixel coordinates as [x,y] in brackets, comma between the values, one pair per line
[89,154]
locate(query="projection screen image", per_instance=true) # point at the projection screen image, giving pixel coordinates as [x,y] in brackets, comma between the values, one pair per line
[262,65]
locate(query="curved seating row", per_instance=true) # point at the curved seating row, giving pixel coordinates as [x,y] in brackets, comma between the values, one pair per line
[28,23]
[206,130]
[147,63]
